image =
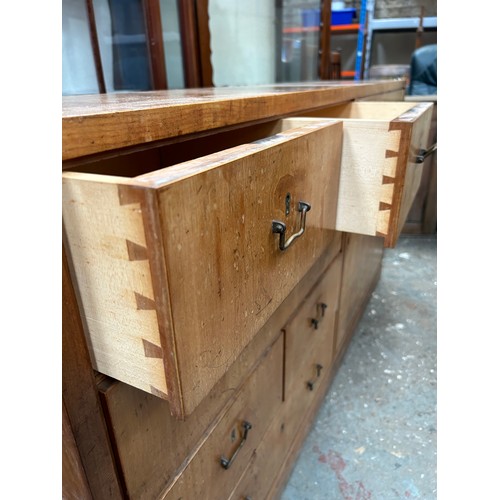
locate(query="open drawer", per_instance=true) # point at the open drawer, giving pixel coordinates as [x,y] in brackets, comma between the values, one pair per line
[382,160]
[177,268]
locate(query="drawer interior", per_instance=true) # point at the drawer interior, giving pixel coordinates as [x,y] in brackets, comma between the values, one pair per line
[136,163]
[377,111]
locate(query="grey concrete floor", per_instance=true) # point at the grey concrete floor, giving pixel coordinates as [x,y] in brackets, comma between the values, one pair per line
[375,435]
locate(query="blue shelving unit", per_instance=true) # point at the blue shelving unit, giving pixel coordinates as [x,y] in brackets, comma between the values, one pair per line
[358,69]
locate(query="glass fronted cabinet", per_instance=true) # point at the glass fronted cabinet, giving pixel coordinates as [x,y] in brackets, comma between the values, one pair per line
[141,45]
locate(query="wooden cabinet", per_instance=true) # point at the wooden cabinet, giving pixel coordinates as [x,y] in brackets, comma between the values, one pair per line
[216,292]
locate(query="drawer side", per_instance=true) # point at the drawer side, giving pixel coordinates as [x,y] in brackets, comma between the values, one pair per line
[369,163]
[107,241]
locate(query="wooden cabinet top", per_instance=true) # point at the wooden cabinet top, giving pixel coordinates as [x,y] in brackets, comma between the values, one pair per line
[98,123]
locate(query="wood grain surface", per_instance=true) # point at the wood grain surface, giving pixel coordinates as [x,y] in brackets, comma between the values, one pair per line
[96,123]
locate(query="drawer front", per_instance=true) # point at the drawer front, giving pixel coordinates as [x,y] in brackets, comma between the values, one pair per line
[266,461]
[178,269]
[309,336]
[213,471]
[380,172]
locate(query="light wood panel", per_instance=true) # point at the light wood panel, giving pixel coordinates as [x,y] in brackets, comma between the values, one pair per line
[96,123]
[396,95]
[178,268]
[379,175]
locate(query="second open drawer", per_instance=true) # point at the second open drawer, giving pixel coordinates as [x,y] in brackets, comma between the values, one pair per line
[383,148]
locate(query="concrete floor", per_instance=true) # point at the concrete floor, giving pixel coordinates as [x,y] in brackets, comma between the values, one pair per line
[375,434]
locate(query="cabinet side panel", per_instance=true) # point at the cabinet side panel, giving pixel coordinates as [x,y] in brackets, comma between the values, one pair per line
[106,239]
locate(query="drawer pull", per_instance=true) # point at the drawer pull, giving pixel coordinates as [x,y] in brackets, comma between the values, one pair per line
[310,383]
[226,463]
[315,321]
[280,227]
[424,153]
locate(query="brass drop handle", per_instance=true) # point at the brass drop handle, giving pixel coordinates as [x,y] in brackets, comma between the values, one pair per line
[280,227]
[226,463]
[315,321]
[424,153]
[310,383]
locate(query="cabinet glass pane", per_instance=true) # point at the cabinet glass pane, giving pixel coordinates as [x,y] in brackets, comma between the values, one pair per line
[172,43]
[299,41]
[78,68]
[243,41]
[123,46]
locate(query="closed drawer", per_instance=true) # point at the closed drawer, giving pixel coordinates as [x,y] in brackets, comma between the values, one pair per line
[309,336]
[266,461]
[381,164]
[178,268]
[215,468]
[305,347]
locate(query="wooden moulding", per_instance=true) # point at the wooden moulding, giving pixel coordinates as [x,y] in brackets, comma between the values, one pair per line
[379,175]
[177,269]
